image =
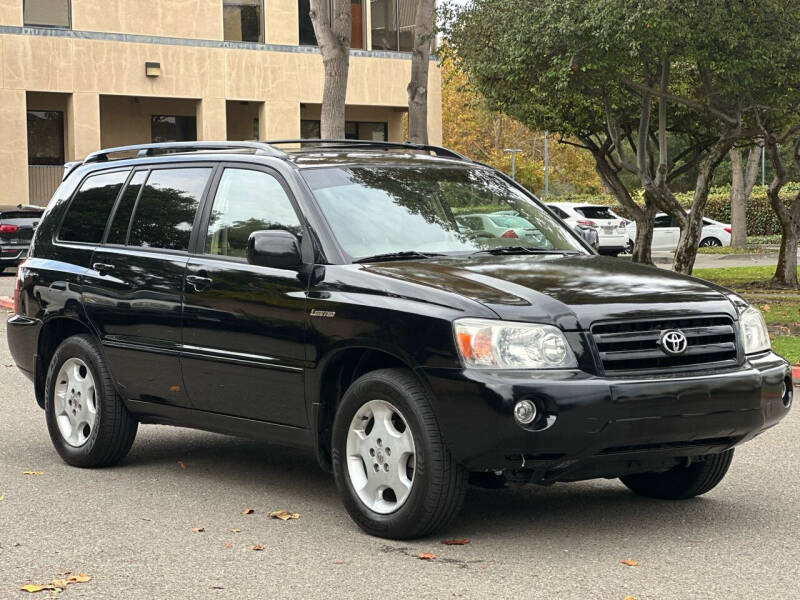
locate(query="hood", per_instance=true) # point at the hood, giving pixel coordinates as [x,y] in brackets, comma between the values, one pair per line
[571,292]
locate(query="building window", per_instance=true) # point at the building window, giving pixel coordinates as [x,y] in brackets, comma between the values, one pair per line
[45,137]
[172,128]
[393,24]
[357,33]
[46,13]
[244,20]
[353,130]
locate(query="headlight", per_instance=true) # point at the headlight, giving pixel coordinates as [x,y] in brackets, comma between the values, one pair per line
[755,335]
[487,344]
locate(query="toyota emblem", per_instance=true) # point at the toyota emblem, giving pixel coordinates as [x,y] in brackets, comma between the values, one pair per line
[674,342]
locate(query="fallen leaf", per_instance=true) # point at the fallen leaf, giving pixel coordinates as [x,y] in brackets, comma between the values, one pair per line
[79,578]
[339,562]
[181,464]
[426,556]
[199,529]
[60,584]
[462,542]
[2,497]
[630,563]
[766,308]
[33,588]
[284,515]
[236,530]
[33,472]
[248,511]
[228,545]
[629,598]
[258,547]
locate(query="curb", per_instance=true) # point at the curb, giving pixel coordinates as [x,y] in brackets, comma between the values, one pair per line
[8,303]
[796,374]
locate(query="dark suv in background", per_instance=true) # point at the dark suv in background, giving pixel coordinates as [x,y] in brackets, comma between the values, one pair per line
[332,296]
[17,224]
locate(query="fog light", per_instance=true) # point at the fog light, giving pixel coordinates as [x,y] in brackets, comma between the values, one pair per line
[525,412]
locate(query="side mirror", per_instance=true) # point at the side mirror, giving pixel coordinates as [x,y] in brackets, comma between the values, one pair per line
[277,249]
[589,235]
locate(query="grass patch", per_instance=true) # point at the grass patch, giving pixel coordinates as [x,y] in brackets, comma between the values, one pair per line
[738,277]
[788,347]
[730,250]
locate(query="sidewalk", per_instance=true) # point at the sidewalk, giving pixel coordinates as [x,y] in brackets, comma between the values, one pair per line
[706,261]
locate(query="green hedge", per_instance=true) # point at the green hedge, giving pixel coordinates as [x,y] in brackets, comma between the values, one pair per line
[761,219]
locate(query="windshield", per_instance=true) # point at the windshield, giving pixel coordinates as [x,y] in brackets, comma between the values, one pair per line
[379,210]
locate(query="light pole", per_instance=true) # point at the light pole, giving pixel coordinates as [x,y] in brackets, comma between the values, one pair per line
[513,152]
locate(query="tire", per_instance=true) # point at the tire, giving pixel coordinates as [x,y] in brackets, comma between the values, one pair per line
[437,482]
[680,483]
[2,269]
[113,428]
[710,242]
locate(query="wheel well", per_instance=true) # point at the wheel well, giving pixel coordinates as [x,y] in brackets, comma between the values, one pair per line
[339,374]
[52,334]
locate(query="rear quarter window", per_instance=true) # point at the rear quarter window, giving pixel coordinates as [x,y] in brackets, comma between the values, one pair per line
[88,212]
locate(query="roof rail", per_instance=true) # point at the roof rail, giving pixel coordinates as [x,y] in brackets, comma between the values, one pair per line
[144,150]
[334,144]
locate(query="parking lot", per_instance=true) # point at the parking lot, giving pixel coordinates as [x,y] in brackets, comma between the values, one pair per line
[130,527]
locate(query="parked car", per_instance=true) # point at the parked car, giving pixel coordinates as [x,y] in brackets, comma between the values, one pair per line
[326,297]
[666,233]
[611,228]
[500,225]
[17,224]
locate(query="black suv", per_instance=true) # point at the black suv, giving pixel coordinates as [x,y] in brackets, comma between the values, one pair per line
[327,296]
[17,224]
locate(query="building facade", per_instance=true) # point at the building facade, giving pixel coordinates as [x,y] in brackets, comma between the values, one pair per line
[80,75]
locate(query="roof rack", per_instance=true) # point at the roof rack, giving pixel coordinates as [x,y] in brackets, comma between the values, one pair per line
[340,144]
[144,150]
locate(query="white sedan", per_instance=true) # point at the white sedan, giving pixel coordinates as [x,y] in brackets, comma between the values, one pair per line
[611,228]
[666,233]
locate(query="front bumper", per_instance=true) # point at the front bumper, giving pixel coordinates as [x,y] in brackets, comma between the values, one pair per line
[591,426]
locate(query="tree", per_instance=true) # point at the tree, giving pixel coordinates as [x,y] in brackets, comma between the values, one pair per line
[636,83]
[420,65]
[743,181]
[334,44]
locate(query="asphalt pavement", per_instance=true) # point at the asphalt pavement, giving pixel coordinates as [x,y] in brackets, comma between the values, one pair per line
[130,527]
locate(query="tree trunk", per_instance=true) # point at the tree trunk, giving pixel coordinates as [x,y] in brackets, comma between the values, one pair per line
[334,44]
[744,178]
[786,271]
[420,63]
[691,232]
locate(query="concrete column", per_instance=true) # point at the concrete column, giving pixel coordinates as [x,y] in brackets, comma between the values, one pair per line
[212,121]
[83,125]
[14,149]
[279,120]
[282,24]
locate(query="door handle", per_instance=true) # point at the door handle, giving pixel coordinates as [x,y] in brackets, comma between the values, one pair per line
[199,284]
[102,268]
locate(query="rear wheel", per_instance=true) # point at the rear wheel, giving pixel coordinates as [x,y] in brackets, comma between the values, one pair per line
[396,477]
[88,422]
[680,483]
[710,242]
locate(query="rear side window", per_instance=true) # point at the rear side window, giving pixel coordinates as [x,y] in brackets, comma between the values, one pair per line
[89,210]
[118,234]
[167,207]
[595,212]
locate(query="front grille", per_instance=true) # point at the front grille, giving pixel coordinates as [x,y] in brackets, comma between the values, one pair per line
[627,346]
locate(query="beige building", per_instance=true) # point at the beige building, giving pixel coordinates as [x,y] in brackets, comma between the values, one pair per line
[79,75]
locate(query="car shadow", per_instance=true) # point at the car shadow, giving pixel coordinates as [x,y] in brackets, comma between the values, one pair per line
[597,510]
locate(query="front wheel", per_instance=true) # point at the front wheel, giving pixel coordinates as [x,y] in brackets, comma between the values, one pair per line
[710,242]
[87,420]
[396,477]
[680,483]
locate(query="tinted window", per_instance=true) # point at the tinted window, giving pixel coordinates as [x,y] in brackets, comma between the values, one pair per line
[118,233]
[309,38]
[595,212]
[559,212]
[45,137]
[89,210]
[167,207]
[247,201]
[46,13]
[663,221]
[243,20]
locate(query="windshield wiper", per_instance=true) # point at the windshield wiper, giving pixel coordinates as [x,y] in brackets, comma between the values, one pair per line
[522,250]
[409,255]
